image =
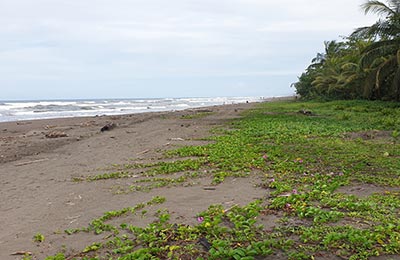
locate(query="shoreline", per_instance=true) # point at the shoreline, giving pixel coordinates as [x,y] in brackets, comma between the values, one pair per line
[85,108]
[23,138]
[124,111]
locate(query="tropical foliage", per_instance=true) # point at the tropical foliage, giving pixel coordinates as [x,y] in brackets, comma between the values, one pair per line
[364,65]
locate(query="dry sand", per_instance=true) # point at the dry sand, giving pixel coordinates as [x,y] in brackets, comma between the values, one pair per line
[38,194]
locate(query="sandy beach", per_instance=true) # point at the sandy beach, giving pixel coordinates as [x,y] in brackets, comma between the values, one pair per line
[41,158]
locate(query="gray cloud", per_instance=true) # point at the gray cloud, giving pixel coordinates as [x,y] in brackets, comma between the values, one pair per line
[51,42]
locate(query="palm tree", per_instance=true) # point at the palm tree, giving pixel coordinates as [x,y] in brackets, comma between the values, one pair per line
[331,49]
[381,60]
[335,73]
[387,28]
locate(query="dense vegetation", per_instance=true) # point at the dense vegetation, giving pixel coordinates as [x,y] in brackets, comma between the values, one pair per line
[365,65]
[331,176]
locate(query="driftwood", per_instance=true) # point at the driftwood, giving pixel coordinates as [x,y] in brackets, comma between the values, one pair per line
[56,134]
[30,162]
[306,112]
[22,253]
[203,110]
[209,188]
[176,139]
[229,209]
[143,152]
[108,127]
[204,242]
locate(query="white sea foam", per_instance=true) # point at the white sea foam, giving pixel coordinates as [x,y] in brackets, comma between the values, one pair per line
[28,110]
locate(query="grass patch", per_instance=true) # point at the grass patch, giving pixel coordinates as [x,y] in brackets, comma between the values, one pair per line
[197,115]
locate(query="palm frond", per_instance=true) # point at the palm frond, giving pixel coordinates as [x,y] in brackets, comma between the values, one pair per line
[388,26]
[372,59]
[394,5]
[350,66]
[378,8]
[382,44]
[361,33]
[377,29]
[377,50]
[352,78]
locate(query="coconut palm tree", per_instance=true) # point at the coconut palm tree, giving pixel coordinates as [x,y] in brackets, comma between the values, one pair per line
[386,28]
[331,49]
[334,74]
[381,60]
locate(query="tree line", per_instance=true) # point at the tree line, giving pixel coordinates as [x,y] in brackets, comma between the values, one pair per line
[364,65]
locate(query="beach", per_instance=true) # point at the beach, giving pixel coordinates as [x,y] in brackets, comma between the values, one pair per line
[42,159]
[271,180]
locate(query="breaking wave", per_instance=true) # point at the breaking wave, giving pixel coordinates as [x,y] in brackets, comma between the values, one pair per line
[28,110]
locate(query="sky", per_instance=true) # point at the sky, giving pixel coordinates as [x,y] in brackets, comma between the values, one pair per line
[80,49]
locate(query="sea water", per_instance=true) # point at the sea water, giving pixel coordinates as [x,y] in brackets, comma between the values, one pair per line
[28,110]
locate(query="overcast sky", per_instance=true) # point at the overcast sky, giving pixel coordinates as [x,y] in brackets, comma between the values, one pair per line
[59,49]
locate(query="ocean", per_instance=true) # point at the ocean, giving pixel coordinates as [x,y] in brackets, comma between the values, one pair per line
[43,109]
